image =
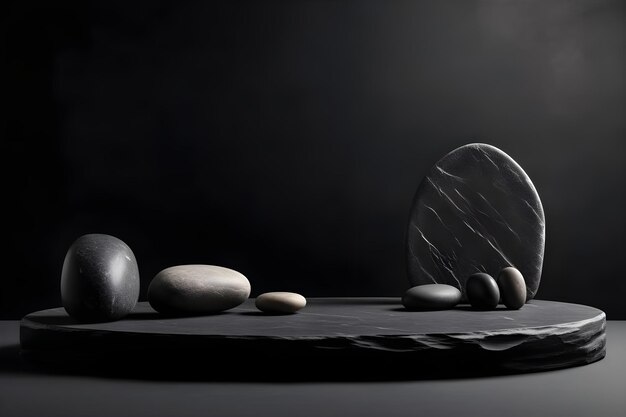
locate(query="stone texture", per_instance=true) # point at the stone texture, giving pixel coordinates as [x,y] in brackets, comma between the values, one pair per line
[280,302]
[475,211]
[482,291]
[512,288]
[100,279]
[431,297]
[197,289]
[373,334]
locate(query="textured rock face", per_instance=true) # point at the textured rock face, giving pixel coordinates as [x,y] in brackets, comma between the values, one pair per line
[475,211]
[197,289]
[100,279]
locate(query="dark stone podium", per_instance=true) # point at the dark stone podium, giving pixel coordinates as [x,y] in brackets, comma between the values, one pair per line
[345,338]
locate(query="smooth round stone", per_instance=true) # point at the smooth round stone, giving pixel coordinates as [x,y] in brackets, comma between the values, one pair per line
[512,288]
[197,289]
[431,297]
[100,279]
[280,302]
[476,210]
[482,291]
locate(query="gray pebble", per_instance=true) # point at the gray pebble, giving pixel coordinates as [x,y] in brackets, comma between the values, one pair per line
[197,289]
[280,302]
[431,297]
[512,288]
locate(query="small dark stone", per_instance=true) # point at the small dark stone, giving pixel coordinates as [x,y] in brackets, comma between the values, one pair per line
[431,297]
[482,291]
[100,279]
[512,288]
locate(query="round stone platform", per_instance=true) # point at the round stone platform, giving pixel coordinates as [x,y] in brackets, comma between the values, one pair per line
[331,338]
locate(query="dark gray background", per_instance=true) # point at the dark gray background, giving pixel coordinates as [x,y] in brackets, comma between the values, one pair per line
[286,139]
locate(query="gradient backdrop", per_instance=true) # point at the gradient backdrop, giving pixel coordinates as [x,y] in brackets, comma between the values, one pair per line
[286,139]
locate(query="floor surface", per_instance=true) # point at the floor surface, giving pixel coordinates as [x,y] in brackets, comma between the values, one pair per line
[594,390]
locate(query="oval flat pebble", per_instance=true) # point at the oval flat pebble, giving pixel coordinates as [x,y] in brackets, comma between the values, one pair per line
[512,288]
[100,279]
[197,289]
[482,291]
[431,297]
[280,302]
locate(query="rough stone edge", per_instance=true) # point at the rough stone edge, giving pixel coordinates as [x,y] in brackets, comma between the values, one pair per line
[492,340]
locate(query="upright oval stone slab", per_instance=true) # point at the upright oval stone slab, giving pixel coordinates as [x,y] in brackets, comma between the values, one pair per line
[475,211]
